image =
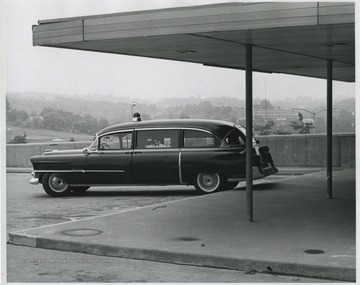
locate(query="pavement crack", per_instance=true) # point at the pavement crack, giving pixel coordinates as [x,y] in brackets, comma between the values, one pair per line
[159,207]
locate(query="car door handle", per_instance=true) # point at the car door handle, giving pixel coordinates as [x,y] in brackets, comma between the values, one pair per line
[132,152]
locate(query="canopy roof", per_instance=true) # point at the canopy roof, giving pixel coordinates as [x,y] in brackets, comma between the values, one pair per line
[287,37]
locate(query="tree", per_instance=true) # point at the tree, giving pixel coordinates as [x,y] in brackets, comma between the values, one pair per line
[102,123]
[344,122]
[266,104]
[264,130]
[301,126]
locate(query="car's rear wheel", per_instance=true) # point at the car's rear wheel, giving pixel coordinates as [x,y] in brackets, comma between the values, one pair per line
[208,182]
[79,189]
[55,184]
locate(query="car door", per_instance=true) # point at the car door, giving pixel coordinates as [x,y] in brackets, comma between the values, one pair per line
[202,151]
[156,156]
[110,163]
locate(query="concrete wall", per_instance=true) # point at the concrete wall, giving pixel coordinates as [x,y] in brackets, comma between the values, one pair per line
[18,155]
[310,150]
[289,150]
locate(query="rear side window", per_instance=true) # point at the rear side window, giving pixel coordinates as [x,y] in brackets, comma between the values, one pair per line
[195,138]
[234,138]
[157,139]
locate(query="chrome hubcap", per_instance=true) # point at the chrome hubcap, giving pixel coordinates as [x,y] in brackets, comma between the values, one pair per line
[57,183]
[208,182]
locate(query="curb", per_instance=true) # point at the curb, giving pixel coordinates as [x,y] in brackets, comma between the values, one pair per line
[181,258]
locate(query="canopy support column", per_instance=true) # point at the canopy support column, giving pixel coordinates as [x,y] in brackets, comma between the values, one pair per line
[329,127]
[249,133]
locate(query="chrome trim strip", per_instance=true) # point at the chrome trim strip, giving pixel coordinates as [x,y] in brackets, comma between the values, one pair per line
[56,170]
[113,151]
[157,128]
[197,149]
[156,149]
[79,171]
[116,132]
[106,171]
[198,129]
[180,175]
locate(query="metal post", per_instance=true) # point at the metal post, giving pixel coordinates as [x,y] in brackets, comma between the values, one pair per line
[249,133]
[329,128]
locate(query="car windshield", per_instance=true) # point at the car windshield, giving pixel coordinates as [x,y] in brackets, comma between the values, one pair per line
[94,144]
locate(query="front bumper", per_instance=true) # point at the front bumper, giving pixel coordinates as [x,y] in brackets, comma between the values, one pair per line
[34,180]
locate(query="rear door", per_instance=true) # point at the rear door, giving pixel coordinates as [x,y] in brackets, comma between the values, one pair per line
[156,156]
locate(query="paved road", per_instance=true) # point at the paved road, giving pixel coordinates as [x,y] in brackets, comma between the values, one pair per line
[29,206]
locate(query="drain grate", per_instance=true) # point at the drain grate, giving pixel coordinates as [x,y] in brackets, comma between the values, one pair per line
[81,232]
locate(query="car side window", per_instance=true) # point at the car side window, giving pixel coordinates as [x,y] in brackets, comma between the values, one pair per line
[195,138]
[157,139]
[234,139]
[116,141]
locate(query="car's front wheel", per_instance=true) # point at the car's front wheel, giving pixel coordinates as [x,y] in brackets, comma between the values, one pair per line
[207,182]
[55,184]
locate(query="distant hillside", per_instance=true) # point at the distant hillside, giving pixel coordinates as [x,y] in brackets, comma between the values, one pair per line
[118,109]
[109,107]
[41,136]
[215,101]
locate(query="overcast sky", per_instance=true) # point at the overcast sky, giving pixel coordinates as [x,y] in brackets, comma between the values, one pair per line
[43,69]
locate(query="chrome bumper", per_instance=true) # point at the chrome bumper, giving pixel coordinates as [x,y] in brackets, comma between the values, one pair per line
[34,181]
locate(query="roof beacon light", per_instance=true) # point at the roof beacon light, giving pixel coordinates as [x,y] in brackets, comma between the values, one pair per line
[136,117]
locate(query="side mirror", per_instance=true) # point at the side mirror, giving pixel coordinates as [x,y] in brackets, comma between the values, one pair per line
[86,151]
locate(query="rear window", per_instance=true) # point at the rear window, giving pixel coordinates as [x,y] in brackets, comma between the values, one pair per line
[235,138]
[243,131]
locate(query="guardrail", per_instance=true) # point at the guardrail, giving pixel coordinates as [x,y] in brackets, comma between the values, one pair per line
[287,150]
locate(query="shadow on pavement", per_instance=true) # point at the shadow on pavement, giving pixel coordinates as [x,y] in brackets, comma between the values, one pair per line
[135,192]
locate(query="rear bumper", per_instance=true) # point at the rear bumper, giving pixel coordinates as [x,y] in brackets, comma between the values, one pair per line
[258,173]
[264,162]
